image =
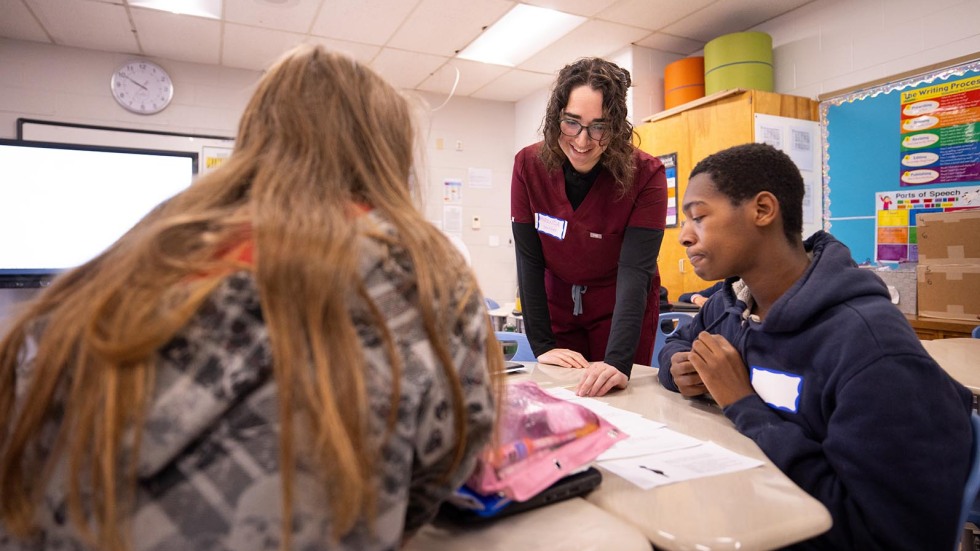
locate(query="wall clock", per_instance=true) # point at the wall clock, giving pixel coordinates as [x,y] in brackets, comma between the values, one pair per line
[142,87]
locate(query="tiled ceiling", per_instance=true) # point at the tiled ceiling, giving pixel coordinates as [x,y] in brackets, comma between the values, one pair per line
[412,43]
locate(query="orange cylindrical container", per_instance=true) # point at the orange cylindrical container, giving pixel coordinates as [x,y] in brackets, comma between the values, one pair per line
[683,81]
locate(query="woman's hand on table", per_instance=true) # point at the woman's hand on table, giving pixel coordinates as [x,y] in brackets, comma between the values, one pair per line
[599,379]
[564,358]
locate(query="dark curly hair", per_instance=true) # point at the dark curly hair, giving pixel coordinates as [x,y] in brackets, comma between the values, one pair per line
[613,82]
[741,172]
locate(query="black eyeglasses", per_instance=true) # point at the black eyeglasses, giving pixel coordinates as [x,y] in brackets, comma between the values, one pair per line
[571,127]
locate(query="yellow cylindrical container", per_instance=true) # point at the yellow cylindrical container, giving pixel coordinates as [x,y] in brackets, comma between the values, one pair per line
[683,81]
[738,60]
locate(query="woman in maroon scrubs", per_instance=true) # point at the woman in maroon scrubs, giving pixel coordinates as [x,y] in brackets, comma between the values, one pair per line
[588,211]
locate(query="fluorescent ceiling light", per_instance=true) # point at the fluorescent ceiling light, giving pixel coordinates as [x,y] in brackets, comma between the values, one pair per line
[201,8]
[519,34]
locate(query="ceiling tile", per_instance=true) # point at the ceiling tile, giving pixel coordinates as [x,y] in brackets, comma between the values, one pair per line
[364,53]
[411,42]
[365,21]
[163,34]
[472,76]
[514,85]
[406,69]
[285,15]
[591,39]
[670,43]
[587,8]
[730,16]
[651,15]
[73,22]
[18,23]
[254,48]
[441,27]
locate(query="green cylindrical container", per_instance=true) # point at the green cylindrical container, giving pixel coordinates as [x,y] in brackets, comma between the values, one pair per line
[738,60]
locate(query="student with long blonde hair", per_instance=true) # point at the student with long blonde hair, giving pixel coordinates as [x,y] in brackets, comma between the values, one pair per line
[284,355]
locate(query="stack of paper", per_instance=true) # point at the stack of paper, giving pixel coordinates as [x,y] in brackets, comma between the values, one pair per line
[655,455]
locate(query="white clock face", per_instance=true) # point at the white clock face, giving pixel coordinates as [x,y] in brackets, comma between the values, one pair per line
[142,87]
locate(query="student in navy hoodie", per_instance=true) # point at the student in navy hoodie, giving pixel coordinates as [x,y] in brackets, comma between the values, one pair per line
[808,357]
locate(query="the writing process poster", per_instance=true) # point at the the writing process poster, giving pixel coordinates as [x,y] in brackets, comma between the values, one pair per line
[896,239]
[941,133]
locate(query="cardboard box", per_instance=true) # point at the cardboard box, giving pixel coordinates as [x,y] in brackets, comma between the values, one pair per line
[904,283]
[949,291]
[949,237]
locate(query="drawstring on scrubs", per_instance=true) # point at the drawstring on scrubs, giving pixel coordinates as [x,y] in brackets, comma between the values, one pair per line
[577,292]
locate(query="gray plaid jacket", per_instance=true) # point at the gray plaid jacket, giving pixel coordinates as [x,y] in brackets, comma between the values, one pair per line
[208,468]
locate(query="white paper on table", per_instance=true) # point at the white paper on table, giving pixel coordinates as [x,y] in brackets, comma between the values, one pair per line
[596,406]
[564,394]
[648,443]
[635,426]
[707,459]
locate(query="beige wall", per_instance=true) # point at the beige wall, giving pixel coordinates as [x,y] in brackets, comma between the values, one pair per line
[45,82]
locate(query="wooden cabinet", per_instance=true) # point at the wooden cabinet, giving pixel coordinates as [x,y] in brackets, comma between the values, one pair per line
[695,130]
[928,329]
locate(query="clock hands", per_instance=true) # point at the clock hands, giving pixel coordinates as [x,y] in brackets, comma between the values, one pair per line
[131,79]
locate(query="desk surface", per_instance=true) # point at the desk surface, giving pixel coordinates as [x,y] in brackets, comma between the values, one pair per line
[569,525]
[505,310]
[684,307]
[959,357]
[758,508]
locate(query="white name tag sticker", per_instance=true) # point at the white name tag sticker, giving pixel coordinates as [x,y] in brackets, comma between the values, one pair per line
[779,389]
[595,235]
[555,227]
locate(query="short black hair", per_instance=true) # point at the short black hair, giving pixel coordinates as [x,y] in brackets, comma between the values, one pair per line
[743,171]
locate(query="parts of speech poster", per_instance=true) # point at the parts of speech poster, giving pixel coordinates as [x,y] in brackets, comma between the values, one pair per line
[896,239]
[941,133]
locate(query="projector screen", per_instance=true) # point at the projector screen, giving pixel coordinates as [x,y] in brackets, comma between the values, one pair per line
[63,204]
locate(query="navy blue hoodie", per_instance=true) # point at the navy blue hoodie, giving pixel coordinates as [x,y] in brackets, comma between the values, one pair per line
[849,404]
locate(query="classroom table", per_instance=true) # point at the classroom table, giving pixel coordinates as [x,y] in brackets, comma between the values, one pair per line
[570,525]
[684,307]
[504,315]
[960,358]
[759,508]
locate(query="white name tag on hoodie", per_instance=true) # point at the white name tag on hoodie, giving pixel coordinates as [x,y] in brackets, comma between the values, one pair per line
[555,227]
[779,389]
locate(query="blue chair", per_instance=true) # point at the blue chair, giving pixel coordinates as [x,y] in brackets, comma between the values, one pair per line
[682,319]
[491,304]
[970,509]
[524,352]
[976,332]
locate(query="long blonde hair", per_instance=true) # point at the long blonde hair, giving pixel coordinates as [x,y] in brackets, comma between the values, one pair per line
[321,135]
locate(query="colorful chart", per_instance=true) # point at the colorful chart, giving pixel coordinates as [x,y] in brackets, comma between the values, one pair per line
[896,239]
[941,133]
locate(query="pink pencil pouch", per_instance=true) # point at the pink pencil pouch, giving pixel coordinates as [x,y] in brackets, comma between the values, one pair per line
[541,439]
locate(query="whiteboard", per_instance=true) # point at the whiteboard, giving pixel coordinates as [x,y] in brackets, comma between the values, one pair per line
[58,132]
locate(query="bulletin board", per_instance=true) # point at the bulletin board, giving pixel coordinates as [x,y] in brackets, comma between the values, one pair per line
[895,149]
